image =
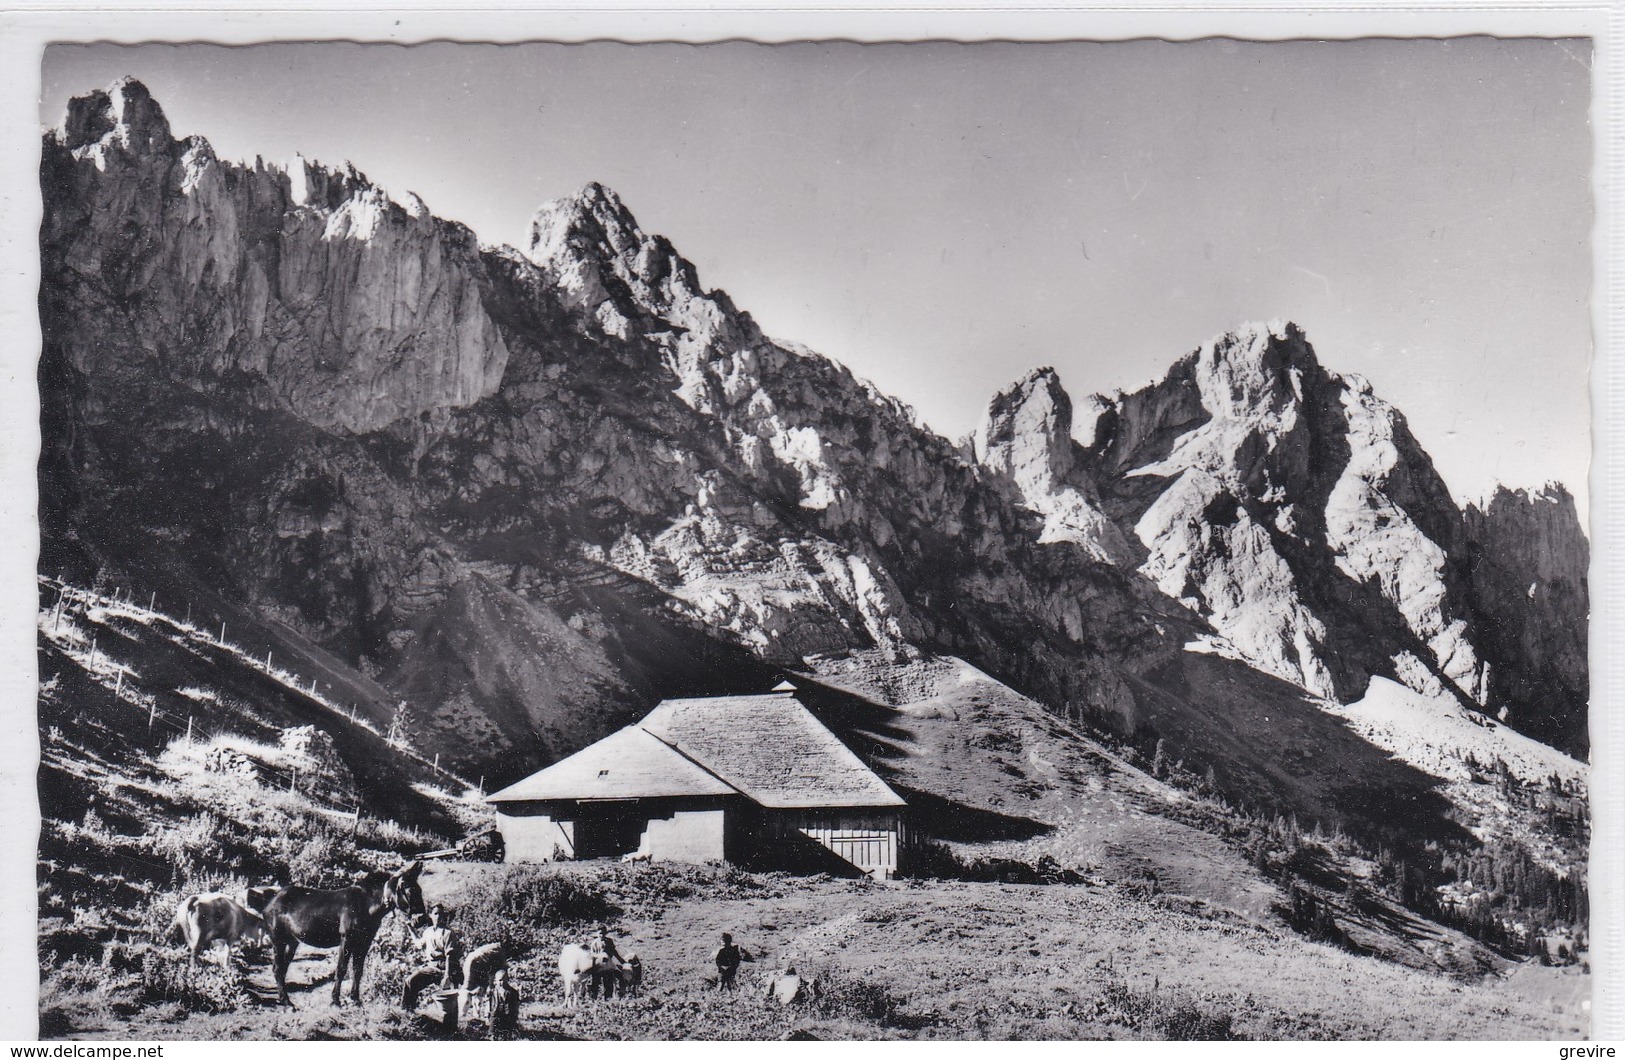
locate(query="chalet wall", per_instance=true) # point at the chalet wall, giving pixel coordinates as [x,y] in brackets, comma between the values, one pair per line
[687,835]
[533,836]
[697,830]
[692,830]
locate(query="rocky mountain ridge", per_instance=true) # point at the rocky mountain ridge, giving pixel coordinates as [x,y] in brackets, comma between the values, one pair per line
[531,489]
[1293,509]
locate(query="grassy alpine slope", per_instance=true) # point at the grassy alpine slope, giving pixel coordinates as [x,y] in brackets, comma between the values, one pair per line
[1064,890]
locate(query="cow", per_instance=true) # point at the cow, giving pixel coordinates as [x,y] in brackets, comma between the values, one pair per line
[347,918]
[635,857]
[576,967]
[205,919]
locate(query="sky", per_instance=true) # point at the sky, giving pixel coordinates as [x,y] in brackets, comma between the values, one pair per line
[944,217]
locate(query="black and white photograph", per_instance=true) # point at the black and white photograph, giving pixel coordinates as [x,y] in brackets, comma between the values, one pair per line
[951,540]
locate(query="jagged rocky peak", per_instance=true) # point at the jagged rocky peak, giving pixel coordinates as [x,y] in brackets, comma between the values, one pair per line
[592,247]
[1255,370]
[594,218]
[594,228]
[1291,509]
[1026,440]
[124,113]
[325,187]
[1551,504]
[1027,432]
[1221,401]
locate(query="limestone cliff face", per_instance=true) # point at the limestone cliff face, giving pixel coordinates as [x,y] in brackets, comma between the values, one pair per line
[743,552]
[533,489]
[351,310]
[1529,584]
[375,433]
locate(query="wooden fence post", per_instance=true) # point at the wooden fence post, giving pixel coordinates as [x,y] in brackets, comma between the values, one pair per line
[222,634]
[152,714]
[189,728]
[152,605]
[118,684]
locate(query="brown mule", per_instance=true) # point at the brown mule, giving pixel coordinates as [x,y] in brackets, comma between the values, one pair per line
[347,918]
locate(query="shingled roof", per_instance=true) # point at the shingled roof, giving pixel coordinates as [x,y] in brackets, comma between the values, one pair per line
[769,748]
[629,764]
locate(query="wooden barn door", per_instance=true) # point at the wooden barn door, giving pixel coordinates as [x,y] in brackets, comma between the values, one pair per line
[868,851]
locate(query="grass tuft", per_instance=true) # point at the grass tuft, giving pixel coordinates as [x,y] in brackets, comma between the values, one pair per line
[1164,1013]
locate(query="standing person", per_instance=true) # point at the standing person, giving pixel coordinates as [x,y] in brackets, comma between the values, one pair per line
[727,958]
[606,963]
[504,1006]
